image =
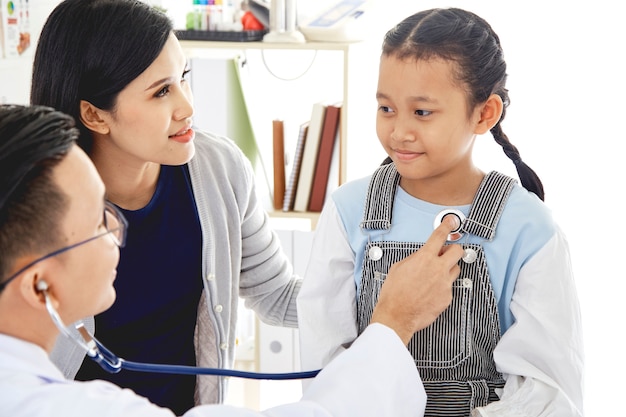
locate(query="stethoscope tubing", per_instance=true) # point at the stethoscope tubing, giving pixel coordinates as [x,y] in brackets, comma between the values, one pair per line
[193,370]
[114,364]
[111,363]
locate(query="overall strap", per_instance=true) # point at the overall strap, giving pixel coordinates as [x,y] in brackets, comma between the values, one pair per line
[483,218]
[379,199]
[488,204]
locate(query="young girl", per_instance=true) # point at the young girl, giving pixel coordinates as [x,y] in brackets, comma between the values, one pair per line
[510,343]
[198,237]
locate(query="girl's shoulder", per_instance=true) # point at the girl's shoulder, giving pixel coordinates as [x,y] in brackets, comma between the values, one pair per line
[523,201]
[351,195]
[525,214]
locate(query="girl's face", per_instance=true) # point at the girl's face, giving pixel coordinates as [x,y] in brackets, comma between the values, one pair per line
[152,118]
[422,122]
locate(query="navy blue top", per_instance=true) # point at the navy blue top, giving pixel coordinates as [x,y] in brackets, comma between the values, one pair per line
[158,286]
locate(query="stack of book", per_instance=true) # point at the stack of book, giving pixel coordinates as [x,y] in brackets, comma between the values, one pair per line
[315,168]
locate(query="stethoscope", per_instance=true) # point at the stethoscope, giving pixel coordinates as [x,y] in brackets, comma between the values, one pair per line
[114,364]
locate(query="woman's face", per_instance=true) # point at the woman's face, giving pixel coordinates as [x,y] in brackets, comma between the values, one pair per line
[152,118]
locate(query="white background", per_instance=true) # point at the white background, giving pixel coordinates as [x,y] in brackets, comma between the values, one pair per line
[566,81]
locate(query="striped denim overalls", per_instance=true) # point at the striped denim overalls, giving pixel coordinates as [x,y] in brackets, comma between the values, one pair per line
[454,355]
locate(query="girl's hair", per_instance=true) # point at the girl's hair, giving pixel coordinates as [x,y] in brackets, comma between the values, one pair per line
[91,50]
[33,140]
[468,40]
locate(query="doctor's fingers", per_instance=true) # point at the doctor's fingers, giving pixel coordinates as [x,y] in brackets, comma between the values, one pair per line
[428,272]
[427,276]
[451,255]
[415,292]
[439,236]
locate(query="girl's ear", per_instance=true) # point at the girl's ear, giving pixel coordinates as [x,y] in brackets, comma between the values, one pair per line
[490,113]
[91,116]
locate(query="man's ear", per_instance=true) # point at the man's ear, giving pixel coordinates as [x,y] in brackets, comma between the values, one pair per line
[28,288]
[490,113]
[91,116]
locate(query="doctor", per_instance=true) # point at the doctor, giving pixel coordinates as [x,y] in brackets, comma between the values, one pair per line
[59,242]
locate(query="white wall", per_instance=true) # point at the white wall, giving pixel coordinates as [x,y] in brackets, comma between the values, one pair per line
[567,86]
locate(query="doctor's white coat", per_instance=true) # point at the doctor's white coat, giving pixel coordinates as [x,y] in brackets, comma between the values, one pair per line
[375,377]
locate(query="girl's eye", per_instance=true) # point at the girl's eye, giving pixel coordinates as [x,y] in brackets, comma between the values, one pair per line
[384,109]
[423,112]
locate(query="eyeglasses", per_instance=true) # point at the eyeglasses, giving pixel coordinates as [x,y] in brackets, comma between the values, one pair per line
[115,224]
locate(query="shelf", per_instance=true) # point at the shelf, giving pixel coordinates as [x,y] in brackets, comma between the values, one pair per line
[321,46]
[204,48]
[306,220]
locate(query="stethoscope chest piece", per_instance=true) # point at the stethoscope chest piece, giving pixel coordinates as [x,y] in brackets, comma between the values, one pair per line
[456,233]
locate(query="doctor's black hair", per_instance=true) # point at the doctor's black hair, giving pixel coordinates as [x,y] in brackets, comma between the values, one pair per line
[468,40]
[91,50]
[33,140]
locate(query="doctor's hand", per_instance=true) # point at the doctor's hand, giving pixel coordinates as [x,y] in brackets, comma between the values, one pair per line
[419,287]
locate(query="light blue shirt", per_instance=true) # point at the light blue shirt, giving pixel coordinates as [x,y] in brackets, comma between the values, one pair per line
[540,353]
[524,228]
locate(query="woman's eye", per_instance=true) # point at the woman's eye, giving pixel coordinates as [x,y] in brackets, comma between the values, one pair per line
[423,112]
[163,92]
[384,109]
[185,75]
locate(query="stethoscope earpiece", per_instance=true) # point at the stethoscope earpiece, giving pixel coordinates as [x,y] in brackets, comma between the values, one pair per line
[456,233]
[41,285]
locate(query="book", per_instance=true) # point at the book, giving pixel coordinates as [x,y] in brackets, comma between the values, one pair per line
[324,157]
[292,184]
[278,135]
[334,176]
[309,157]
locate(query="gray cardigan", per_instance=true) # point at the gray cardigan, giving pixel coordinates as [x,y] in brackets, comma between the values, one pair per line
[242,257]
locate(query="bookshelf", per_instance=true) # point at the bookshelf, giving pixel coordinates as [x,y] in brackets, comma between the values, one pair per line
[347,50]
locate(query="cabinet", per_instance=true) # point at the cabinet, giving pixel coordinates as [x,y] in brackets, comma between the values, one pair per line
[340,71]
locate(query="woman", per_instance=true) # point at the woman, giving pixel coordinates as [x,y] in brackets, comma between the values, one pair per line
[198,237]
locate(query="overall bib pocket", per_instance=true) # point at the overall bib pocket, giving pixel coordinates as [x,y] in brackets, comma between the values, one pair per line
[447,341]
